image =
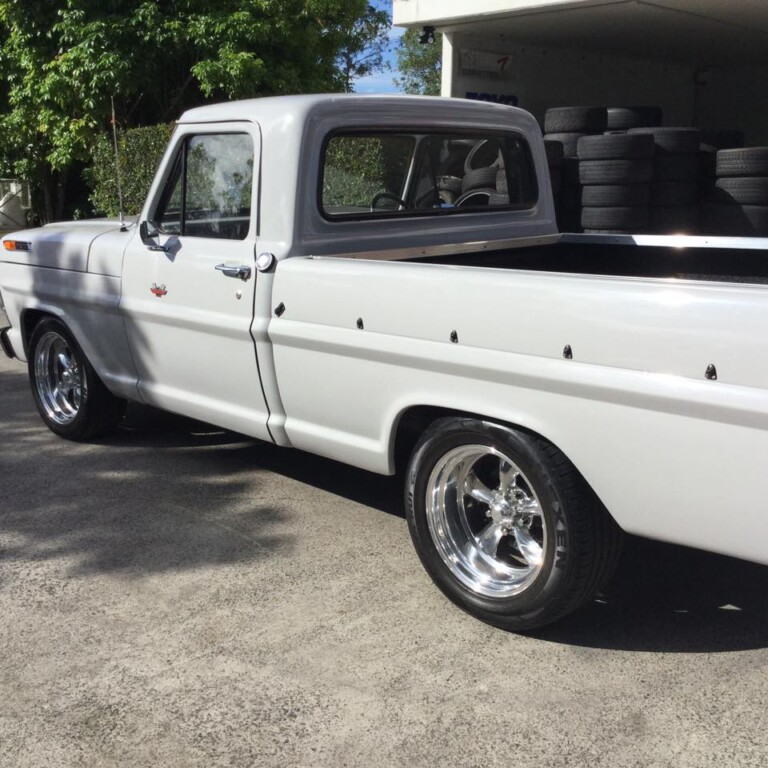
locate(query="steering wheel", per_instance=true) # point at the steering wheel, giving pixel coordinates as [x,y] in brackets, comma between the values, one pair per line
[386,196]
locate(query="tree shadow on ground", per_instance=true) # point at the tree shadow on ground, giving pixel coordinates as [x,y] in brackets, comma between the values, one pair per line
[196,499]
[148,427]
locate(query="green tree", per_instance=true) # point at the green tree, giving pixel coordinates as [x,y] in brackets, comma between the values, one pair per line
[419,64]
[140,151]
[366,46]
[64,59]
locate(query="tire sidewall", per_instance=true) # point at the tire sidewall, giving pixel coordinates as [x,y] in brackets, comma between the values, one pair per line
[539,602]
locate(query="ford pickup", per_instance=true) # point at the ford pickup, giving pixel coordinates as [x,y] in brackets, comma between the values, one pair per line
[380,280]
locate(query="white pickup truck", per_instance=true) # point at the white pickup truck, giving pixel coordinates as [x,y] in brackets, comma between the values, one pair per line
[380,280]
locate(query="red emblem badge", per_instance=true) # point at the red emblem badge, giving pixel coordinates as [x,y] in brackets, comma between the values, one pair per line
[158,290]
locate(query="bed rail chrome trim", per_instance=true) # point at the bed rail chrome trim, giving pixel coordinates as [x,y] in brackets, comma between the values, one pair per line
[449,249]
[672,241]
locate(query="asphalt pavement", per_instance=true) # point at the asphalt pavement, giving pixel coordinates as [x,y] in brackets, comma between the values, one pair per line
[177,595]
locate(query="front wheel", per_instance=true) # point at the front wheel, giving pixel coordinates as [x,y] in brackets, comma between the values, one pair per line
[72,400]
[505,525]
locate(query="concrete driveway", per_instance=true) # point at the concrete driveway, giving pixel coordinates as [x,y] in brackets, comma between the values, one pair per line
[181,596]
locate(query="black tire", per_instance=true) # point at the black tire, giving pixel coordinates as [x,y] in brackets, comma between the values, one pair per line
[610,195]
[681,219]
[751,161]
[478,179]
[570,543]
[675,168]
[89,409]
[555,154]
[617,146]
[636,219]
[449,184]
[747,190]
[485,154]
[556,180]
[453,165]
[624,118]
[570,198]
[480,196]
[706,165]
[615,171]
[567,141]
[711,141]
[569,220]
[736,220]
[674,193]
[570,172]
[676,141]
[502,185]
[575,120]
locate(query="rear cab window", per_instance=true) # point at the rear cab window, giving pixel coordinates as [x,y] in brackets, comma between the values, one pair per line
[389,174]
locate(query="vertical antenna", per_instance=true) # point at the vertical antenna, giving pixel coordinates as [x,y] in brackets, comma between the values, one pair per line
[117,167]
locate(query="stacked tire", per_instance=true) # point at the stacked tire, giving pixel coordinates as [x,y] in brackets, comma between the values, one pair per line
[624,118]
[674,185]
[711,143]
[554,150]
[615,172]
[564,126]
[739,203]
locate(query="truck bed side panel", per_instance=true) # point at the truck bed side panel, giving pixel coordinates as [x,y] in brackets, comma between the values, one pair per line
[633,396]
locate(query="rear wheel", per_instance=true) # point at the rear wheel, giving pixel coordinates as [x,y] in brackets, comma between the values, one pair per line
[70,397]
[505,525]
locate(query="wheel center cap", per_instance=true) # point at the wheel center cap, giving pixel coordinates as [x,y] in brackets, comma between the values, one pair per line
[501,510]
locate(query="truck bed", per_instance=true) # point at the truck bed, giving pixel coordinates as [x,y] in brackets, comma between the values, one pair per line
[728,260]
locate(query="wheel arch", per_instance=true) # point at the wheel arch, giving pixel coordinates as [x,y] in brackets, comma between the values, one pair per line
[414,420]
[30,319]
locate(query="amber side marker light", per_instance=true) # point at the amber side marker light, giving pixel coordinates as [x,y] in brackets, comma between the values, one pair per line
[17,245]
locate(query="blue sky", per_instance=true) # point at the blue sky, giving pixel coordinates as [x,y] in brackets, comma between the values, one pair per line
[383,82]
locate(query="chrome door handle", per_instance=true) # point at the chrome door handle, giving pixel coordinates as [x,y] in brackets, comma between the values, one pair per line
[242,272]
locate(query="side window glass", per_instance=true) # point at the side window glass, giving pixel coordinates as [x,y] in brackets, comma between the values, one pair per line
[371,175]
[209,191]
[169,210]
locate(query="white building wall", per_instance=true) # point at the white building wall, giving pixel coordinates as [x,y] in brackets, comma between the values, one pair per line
[538,78]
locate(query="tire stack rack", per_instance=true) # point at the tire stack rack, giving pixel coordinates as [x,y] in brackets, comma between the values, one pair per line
[564,126]
[738,205]
[674,187]
[610,179]
[615,172]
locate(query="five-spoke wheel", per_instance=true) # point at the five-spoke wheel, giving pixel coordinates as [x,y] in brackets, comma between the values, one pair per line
[504,523]
[59,380]
[485,520]
[69,395]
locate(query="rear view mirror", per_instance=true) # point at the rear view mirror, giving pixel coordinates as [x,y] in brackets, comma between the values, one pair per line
[148,230]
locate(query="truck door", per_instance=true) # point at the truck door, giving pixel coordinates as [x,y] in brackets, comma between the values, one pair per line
[188,284]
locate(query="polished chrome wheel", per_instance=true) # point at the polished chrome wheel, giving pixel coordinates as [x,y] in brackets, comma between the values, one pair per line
[504,523]
[486,521]
[61,385]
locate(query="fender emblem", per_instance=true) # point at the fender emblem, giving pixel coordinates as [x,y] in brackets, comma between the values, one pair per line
[158,290]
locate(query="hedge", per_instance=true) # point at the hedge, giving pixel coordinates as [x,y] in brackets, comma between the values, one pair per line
[140,151]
